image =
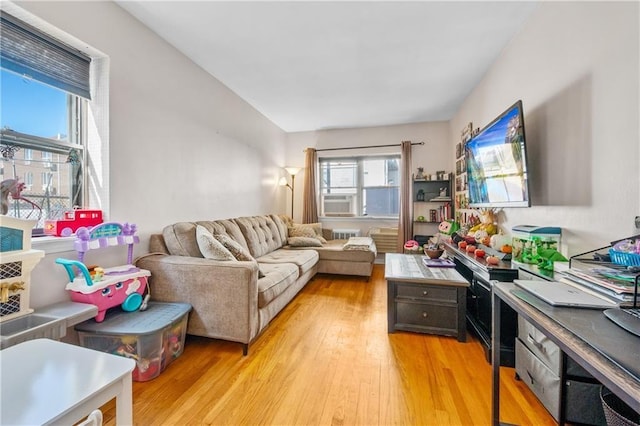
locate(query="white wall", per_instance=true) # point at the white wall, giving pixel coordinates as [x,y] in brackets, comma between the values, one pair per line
[182,145]
[575,67]
[434,155]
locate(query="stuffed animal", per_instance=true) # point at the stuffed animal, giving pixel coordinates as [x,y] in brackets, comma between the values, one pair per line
[448,227]
[487,226]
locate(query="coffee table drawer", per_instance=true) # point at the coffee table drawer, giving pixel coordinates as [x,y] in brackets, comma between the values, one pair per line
[427,315]
[423,292]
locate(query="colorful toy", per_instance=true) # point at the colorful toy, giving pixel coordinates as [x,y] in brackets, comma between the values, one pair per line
[146,368]
[72,221]
[448,227]
[487,226]
[14,188]
[411,244]
[106,287]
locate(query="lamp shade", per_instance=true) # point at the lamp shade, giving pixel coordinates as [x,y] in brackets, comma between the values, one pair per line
[293,170]
[283,181]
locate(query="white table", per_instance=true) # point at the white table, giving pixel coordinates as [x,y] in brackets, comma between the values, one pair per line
[45,381]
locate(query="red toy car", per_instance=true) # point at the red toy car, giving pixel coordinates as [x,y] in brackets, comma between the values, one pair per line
[72,221]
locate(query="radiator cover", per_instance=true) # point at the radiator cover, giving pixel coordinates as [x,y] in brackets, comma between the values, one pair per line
[386,239]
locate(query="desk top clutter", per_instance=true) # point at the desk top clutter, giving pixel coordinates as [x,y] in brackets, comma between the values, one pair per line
[106,287]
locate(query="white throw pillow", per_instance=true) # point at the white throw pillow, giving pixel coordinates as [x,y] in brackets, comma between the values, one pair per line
[210,247]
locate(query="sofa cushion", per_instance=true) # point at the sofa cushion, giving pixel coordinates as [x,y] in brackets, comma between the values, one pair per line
[305,259]
[210,247]
[277,278]
[225,227]
[282,222]
[261,234]
[180,238]
[312,230]
[304,242]
[301,231]
[334,250]
[317,228]
[239,252]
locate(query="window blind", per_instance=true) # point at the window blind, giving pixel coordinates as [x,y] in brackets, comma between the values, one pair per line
[28,51]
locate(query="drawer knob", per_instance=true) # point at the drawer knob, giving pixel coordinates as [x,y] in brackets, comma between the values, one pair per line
[424,292]
[424,315]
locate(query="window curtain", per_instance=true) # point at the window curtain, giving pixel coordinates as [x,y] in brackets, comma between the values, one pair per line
[405,218]
[309,196]
[28,51]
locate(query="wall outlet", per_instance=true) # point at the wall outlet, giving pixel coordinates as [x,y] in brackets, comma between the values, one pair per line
[637,222]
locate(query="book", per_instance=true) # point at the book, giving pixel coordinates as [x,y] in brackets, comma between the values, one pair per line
[438,263]
[597,291]
[605,277]
[602,291]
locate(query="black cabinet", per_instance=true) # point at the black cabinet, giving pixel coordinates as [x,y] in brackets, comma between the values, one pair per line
[479,311]
[427,308]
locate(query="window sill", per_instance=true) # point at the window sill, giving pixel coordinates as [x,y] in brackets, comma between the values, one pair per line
[356,218]
[52,245]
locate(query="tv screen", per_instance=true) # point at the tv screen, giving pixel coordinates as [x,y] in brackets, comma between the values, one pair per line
[497,163]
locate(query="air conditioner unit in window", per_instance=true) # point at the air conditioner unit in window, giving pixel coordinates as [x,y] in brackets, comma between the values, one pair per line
[338,205]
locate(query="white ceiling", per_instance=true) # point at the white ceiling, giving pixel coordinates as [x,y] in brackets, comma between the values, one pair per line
[324,65]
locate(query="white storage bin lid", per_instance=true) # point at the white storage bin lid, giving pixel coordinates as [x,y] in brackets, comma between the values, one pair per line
[530,229]
[156,317]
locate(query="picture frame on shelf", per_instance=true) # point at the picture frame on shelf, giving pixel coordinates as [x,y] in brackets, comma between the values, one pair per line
[465,134]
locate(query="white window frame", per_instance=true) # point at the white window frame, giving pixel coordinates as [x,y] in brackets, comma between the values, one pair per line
[96,128]
[355,201]
[28,156]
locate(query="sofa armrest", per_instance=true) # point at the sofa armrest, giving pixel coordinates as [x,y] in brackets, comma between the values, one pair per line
[327,234]
[224,295]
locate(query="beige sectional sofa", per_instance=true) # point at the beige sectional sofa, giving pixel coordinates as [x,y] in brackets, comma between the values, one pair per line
[236,300]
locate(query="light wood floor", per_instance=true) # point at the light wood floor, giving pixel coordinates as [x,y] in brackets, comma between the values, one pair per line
[327,359]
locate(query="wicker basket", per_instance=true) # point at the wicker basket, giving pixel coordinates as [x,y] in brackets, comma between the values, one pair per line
[616,412]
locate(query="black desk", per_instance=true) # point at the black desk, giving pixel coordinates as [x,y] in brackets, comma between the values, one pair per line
[604,358]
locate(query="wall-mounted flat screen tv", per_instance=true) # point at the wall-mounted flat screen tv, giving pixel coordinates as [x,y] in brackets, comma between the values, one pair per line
[497,162]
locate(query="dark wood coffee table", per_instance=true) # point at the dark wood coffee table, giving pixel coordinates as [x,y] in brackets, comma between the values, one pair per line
[424,300]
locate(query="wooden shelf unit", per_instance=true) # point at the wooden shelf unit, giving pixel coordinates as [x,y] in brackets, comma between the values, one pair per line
[432,199]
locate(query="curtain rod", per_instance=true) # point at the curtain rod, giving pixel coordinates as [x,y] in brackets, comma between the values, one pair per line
[365,147]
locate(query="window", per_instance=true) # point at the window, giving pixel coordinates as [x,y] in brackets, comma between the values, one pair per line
[28,181]
[44,91]
[28,153]
[47,156]
[31,111]
[360,186]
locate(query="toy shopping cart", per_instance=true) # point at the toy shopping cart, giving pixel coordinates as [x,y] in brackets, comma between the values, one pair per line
[106,287]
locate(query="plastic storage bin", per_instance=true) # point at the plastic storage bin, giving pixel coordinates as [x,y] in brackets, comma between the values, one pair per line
[526,239]
[153,338]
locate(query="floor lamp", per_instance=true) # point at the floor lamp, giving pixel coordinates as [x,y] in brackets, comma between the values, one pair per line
[283,182]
